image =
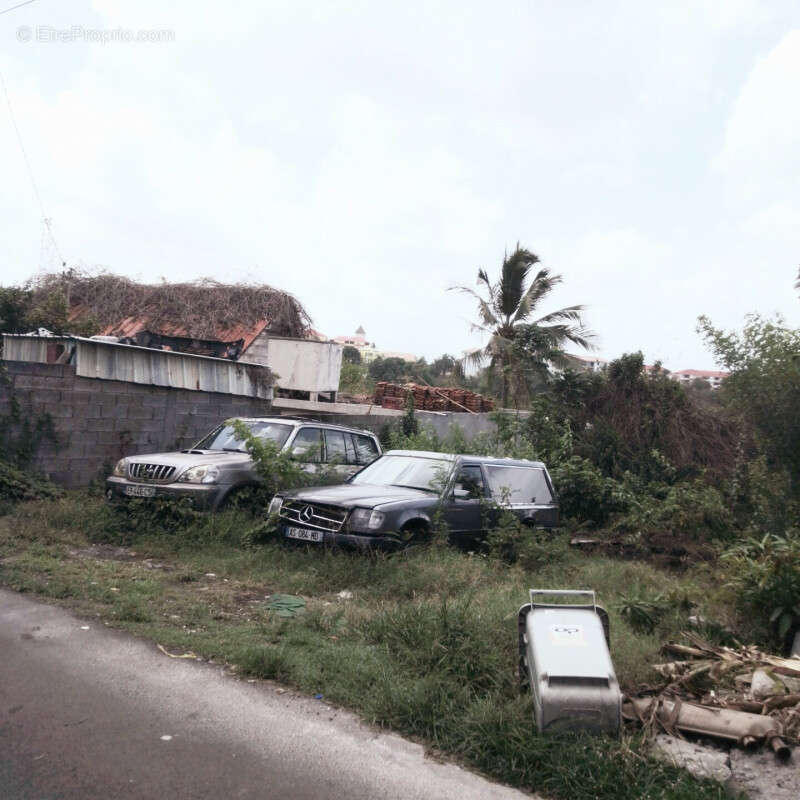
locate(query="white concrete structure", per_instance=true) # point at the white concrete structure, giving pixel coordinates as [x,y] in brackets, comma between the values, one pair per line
[300,365]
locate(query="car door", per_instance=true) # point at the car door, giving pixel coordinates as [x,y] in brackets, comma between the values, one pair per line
[340,453]
[367,449]
[307,448]
[465,504]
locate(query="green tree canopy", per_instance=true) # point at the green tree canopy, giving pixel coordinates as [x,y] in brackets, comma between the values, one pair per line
[14,306]
[521,350]
[388,369]
[351,355]
[764,384]
[444,365]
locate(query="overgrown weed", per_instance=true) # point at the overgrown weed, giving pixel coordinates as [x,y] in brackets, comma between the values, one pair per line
[423,641]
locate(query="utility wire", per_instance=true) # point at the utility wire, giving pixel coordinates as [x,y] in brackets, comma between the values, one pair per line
[45,218]
[19,5]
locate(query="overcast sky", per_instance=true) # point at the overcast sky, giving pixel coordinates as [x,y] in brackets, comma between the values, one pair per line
[367,155]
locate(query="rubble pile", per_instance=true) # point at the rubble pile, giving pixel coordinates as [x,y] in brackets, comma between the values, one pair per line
[430,398]
[741,694]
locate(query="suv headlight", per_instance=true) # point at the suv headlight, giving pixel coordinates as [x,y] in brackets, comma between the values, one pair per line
[365,519]
[121,468]
[274,505]
[205,473]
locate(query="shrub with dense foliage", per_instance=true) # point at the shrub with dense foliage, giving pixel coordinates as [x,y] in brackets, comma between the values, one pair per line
[764,385]
[764,574]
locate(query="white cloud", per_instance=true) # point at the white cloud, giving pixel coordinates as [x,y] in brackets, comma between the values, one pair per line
[778,221]
[760,143]
[734,13]
[368,157]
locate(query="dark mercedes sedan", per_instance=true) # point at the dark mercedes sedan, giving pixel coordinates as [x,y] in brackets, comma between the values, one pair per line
[396,500]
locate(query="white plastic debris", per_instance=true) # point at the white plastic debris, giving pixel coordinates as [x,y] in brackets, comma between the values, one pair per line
[761,685]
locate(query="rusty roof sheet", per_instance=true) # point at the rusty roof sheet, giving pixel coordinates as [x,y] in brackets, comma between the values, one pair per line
[132,325]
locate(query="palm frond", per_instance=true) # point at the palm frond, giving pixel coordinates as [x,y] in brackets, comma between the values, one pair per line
[513,275]
[483,277]
[476,358]
[540,287]
[567,314]
[499,345]
[485,311]
[577,335]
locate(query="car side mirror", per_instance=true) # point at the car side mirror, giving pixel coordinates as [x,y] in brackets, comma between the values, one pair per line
[461,494]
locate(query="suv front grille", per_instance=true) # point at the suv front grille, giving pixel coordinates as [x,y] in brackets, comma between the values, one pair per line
[313,515]
[150,472]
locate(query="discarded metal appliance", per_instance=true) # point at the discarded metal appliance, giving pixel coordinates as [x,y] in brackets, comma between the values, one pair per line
[564,654]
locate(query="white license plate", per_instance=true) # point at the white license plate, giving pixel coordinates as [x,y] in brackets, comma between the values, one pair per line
[304,535]
[140,491]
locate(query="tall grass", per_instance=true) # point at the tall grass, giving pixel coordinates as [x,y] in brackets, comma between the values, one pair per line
[423,642]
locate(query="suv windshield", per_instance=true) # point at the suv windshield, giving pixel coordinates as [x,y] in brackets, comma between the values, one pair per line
[412,472]
[224,437]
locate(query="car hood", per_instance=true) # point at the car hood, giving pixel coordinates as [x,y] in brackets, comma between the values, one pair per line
[191,458]
[364,495]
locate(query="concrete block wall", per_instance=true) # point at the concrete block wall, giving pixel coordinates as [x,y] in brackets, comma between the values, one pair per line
[100,421]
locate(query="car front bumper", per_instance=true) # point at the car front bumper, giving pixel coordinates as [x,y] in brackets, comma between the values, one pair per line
[204,496]
[342,538]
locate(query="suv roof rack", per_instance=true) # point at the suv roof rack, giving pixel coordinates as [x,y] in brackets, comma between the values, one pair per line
[317,420]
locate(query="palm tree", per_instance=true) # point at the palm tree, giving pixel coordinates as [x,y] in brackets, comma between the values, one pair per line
[521,350]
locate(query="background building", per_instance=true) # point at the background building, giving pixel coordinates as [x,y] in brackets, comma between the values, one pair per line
[368,350]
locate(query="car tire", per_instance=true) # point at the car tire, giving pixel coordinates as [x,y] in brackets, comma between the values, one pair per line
[412,534]
[240,497]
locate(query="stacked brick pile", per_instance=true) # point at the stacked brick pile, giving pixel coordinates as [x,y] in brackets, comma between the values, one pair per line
[428,398]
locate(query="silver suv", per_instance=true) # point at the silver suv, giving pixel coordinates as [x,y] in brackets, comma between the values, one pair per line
[218,465]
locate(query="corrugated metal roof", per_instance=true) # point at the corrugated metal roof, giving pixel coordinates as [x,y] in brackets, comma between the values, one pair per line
[130,326]
[124,362]
[168,368]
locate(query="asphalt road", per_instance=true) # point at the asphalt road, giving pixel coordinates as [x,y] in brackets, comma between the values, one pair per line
[87,712]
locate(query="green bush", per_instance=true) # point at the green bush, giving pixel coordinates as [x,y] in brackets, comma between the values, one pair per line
[153,517]
[353,378]
[585,494]
[17,485]
[513,542]
[690,511]
[764,574]
[764,385]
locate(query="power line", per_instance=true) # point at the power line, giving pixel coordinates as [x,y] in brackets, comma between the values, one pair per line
[45,218]
[19,5]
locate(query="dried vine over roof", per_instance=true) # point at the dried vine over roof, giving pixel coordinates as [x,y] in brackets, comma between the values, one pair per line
[203,309]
